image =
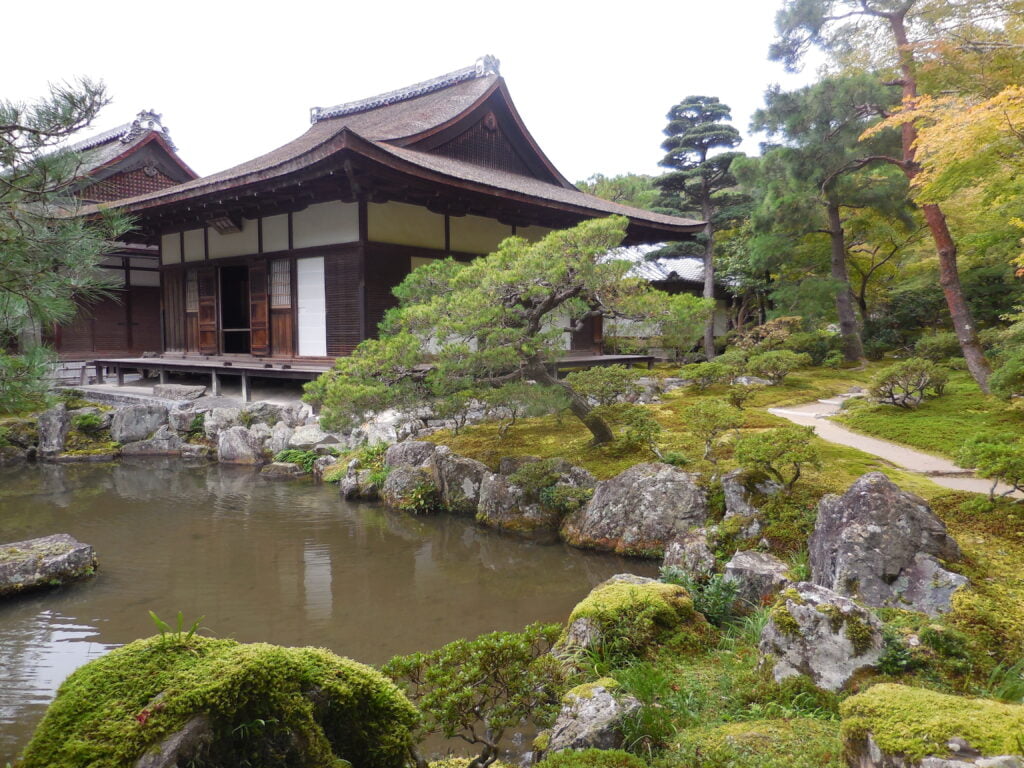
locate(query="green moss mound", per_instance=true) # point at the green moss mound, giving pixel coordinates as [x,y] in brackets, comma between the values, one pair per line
[592,758]
[916,722]
[790,743]
[631,618]
[267,706]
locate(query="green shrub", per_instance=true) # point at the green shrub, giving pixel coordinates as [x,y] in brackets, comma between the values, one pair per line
[304,459]
[478,689]
[423,499]
[897,659]
[833,360]
[708,419]
[88,423]
[663,708]
[196,428]
[268,706]
[875,349]
[782,452]
[906,383]
[739,394]
[998,459]
[937,347]
[675,458]
[1007,379]
[775,366]
[817,345]
[715,598]
[606,384]
[704,375]
[592,758]
[534,476]
[734,357]
[770,335]
[565,499]
[24,380]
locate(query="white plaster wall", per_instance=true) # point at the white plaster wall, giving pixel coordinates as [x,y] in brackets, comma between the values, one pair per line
[403,224]
[235,243]
[170,248]
[533,234]
[476,234]
[275,233]
[195,250]
[325,224]
[312,307]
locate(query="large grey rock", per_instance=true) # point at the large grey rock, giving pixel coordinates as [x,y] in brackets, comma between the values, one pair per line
[220,419]
[261,413]
[504,506]
[137,422]
[12,454]
[458,480]
[181,747]
[389,426]
[179,391]
[741,516]
[866,753]
[320,466]
[759,576]
[279,437]
[815,632]
[164,442]
[401,482]
[195,451]
[410,453]
[282,470]
[309,436]
[879,544]
[53,429]
[591,717]
[46,561]
[181,419]
[691,553]
[237,445]
[263,433]
[639,511]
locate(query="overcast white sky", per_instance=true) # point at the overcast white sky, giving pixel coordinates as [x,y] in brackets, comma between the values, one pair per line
[592,81]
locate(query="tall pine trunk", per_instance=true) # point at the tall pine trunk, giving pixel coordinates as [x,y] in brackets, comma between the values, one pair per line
[709,283]
[579,406]
[945,246]
[853,348]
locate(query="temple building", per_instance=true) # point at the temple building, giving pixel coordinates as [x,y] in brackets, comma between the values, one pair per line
[291,257]
[132,159]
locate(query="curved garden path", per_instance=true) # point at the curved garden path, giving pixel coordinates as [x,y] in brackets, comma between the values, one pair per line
[940,470]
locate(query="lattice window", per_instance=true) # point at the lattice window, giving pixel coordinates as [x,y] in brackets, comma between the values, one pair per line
[280,284]
[192,291]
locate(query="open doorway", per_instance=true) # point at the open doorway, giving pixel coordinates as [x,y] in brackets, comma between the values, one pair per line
[234,310]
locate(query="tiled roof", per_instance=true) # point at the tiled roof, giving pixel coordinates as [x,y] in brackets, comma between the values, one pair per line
[687,269]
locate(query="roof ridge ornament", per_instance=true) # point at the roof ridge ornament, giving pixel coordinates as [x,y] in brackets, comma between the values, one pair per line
[147,120]
[485,66]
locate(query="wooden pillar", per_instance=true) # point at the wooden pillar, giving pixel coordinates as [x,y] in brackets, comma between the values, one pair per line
[163,375]
[215,383]
[120,375]
[246,393]
[99,373]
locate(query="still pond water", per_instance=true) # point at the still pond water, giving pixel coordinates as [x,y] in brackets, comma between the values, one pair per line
[284,563]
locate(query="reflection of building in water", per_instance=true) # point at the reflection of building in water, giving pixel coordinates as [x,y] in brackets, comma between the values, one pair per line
[317,581]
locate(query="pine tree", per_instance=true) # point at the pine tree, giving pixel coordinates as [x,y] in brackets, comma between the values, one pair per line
[701,182]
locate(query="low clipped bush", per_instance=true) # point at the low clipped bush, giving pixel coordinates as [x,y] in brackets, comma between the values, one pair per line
[1007,379]
[607,384]
[704,375]
[999,459]
[938,347]
[783,453]
[265,706]
[592,758]
[817,345]
[775,366]
[906,383]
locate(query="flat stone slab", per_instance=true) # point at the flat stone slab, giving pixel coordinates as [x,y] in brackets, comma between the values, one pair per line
[44,562]
[282,470]
[179,391]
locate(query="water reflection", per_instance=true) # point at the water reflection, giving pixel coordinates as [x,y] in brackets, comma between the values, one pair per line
[277,562]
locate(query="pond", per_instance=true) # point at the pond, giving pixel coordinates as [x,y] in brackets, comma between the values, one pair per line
[286,563]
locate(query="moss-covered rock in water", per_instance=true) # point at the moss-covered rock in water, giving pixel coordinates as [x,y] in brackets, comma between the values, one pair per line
[45,562]
[790,743]
[627,614]
[912,723]
[262,705]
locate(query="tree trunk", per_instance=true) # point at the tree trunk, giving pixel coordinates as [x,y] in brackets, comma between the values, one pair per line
[949,275]
[853,348]
[709,285]
[580,408]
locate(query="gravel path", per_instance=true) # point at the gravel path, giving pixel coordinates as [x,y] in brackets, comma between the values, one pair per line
[940,470]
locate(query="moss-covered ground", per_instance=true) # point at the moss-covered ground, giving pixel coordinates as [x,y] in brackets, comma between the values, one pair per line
[717,707]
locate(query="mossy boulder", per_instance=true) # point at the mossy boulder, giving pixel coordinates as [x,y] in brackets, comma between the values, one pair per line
[591,717]
[627,615]
[255,705]
[896,725]
[789,743]
[44,562]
